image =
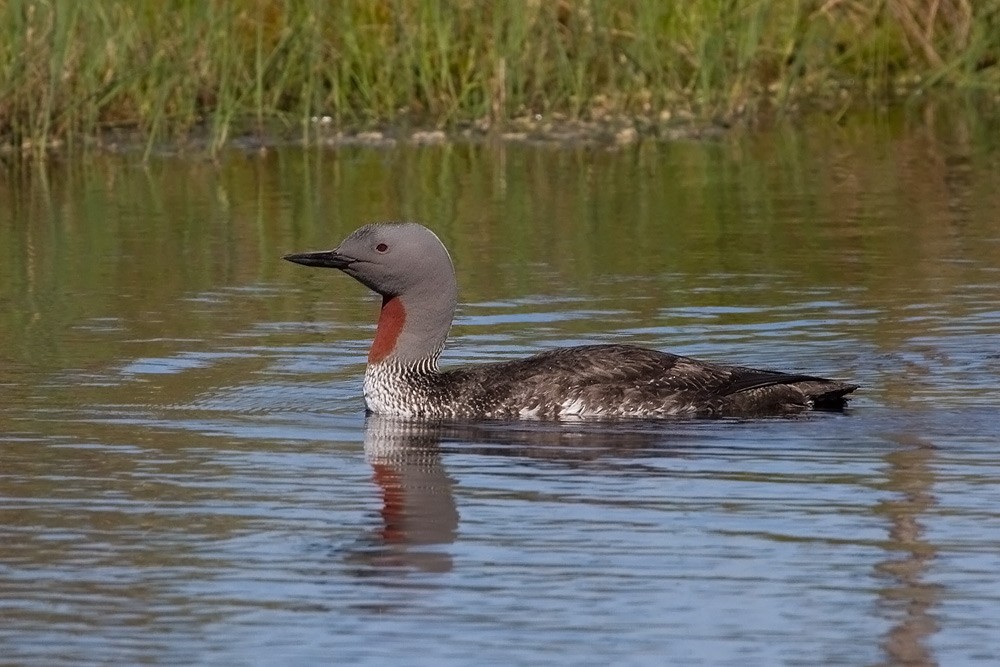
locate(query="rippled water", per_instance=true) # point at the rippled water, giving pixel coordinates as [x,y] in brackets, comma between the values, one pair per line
[187,474]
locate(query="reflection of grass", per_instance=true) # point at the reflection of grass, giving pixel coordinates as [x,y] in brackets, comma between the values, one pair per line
[879,212]
[164,67]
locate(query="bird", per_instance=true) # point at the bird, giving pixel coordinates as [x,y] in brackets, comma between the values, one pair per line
[408,265]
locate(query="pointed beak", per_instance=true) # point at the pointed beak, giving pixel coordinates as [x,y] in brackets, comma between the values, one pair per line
[329,259]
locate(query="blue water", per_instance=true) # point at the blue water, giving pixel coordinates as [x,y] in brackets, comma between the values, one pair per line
[188,475]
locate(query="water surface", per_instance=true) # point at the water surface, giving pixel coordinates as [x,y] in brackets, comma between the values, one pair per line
[187,474]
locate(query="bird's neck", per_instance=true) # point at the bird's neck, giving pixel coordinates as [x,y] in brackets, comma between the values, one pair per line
[391,321]
[409,334]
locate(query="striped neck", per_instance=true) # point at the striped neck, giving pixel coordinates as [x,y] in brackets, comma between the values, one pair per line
[397,368]
[404,388]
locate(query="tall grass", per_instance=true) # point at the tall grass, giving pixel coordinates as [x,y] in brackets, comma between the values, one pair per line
[74,72]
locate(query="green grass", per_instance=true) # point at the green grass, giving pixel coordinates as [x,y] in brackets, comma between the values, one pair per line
[73,73]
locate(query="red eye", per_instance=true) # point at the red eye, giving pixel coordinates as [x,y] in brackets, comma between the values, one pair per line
[381,247]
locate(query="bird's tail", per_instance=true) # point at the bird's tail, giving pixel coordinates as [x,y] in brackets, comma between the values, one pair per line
[827,394]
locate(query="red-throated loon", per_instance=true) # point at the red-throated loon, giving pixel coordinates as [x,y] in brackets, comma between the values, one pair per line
[409,266]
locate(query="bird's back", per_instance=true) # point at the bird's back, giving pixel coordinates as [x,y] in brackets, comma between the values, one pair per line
[628,381]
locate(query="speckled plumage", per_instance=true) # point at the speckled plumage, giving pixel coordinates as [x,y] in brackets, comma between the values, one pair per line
[409,266]
[611,381]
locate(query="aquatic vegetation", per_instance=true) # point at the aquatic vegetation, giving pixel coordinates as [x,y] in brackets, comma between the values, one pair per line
[79,73]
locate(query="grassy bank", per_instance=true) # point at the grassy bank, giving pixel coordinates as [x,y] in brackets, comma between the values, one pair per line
[72,72]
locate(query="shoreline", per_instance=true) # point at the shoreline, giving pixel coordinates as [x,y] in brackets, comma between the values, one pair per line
[102,75]
[610,131]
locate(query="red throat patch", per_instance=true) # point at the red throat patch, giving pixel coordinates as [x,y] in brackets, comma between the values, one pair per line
[390,324]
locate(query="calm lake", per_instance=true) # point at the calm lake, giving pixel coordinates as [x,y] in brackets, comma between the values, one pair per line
[187,474]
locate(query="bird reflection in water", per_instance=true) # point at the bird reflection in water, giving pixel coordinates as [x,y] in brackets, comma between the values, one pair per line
[418,514]
[418,520]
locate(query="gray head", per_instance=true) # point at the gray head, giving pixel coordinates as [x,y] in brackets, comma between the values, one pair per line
[409,266]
